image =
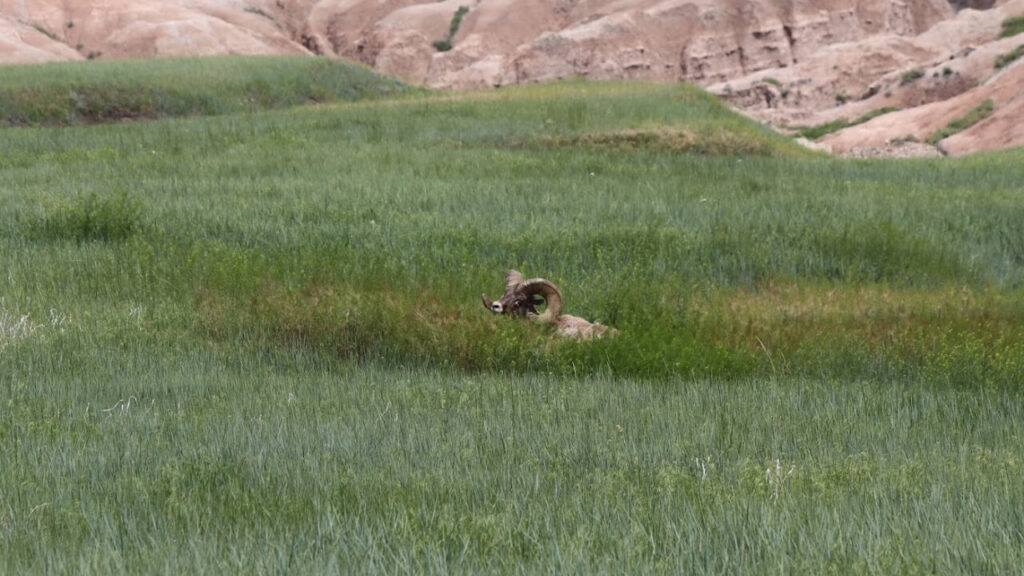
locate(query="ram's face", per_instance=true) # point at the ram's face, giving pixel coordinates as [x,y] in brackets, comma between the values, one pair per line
[523,305]
[496,306]
[515,301]
[512,304]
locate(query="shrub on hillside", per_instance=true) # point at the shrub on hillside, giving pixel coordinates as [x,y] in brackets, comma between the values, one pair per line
[910,76]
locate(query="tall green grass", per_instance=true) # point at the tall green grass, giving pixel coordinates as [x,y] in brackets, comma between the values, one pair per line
[369,231]
[73,93]
[254,343]
[224,462]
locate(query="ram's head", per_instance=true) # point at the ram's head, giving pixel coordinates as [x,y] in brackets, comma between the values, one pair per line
[522,297]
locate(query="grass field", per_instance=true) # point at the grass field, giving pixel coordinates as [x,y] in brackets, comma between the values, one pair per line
[251,341]
[66,93]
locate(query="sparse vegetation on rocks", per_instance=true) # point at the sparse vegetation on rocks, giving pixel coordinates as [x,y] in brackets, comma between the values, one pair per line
[1005,59]
[817,131]
[91,216]
[911,75]
[977,114]
[445,44]
[45,32]
[1012,26]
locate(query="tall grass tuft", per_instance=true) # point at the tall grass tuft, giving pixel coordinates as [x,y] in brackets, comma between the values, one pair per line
[90,216]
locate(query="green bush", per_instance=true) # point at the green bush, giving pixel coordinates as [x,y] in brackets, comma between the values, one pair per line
[911,76]
[91,216]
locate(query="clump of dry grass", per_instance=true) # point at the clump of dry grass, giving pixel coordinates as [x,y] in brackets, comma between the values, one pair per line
[702,140]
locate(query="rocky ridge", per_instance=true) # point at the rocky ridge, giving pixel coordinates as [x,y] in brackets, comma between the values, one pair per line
[784,62]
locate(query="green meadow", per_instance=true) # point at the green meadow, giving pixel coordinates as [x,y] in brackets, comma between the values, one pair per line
[241,332]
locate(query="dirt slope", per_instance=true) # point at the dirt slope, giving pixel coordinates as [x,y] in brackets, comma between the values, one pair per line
[782,61]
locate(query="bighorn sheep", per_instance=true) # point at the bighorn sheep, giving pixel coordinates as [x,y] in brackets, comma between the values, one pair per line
[522,297]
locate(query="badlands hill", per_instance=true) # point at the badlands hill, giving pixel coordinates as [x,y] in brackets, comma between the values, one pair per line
[787,63]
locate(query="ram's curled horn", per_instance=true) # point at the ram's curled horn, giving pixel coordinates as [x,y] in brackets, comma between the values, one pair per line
[552,297]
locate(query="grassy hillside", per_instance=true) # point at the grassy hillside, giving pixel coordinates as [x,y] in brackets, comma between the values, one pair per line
[254,343]
[105,91]
[369,231]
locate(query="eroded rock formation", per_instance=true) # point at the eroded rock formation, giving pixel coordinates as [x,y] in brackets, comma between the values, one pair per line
[784,61]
